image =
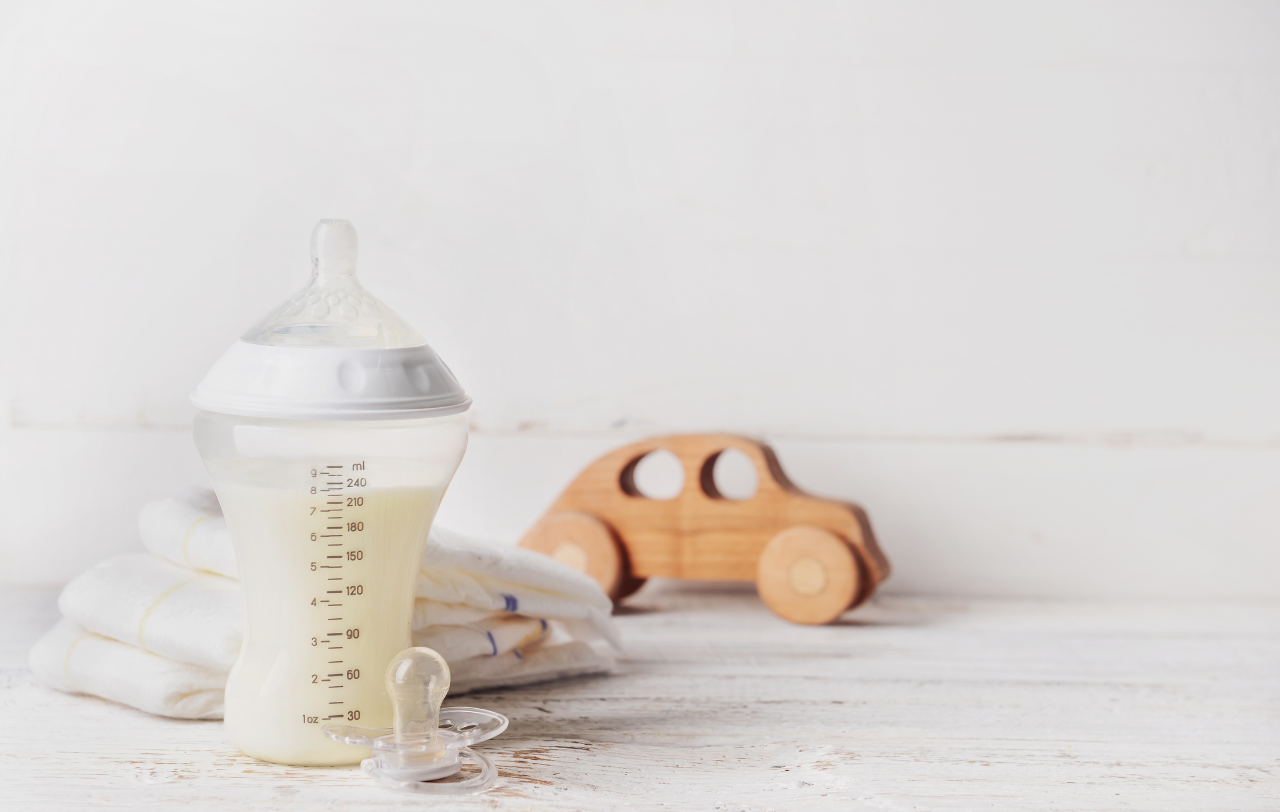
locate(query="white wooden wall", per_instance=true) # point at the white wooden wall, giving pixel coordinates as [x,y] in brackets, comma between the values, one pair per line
[1006,273]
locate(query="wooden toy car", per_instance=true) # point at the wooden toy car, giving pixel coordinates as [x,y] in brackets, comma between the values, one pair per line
[811,558]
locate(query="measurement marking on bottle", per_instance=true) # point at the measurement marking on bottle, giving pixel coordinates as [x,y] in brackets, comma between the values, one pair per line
[329,493]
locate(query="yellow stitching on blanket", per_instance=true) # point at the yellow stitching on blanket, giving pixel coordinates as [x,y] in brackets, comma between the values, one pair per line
[66,663]
[142,643]
[186,540]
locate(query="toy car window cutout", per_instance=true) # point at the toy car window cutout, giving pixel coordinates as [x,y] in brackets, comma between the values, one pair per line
[729,474]
[658,475]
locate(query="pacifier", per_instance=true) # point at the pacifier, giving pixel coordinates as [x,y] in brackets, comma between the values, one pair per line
[427,742]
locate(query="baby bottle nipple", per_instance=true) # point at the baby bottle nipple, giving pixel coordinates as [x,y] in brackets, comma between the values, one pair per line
[334,310]
[427,743]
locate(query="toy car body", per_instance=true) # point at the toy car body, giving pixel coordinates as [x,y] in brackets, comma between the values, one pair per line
[811,558]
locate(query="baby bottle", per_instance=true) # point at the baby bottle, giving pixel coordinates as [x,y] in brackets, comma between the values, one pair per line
[330,431]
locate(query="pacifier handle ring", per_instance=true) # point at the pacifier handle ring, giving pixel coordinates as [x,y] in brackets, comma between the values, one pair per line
[488,775]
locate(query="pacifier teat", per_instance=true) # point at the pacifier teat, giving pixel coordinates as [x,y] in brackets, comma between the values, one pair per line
[427,742]
[417,681]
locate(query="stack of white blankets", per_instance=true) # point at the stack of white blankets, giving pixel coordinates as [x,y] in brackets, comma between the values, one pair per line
[160,630]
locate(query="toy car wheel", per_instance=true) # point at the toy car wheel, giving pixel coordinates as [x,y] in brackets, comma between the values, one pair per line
[808,575]
[588,545]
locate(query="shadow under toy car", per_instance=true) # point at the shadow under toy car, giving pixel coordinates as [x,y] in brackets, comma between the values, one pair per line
[812,559]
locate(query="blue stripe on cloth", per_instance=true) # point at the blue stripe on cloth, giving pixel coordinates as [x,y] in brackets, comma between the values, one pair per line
[516,652]
[493,643]
[512,605]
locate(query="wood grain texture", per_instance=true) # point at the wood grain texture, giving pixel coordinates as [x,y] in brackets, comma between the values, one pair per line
[808,575]
[718,704]
[699,534]
[586,543]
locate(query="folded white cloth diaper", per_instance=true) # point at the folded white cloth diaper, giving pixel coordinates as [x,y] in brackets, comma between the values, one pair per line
[76,661]
[496,577]
[523,667]
[184,615]
[189,530]
[489,637]
[160,630]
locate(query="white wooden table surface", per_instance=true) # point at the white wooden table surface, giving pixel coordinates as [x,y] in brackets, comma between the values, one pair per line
[908,704]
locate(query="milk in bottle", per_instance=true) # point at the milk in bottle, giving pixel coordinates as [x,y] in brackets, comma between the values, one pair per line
[330,431]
